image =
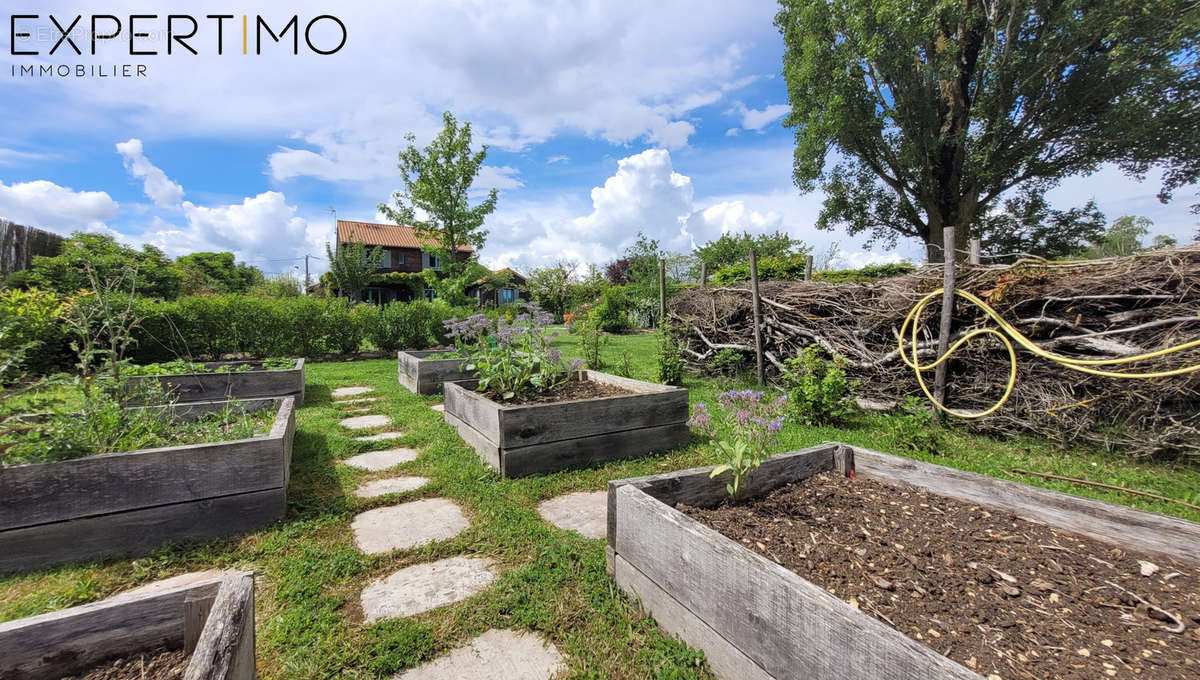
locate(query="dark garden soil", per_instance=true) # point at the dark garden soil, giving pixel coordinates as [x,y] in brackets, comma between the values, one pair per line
[574,391]
[159,664]
[1001,595]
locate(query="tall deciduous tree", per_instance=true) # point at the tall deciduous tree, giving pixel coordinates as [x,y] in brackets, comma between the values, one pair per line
[735,248]
[437,182]
[351,266]
[551,286]
[935,109]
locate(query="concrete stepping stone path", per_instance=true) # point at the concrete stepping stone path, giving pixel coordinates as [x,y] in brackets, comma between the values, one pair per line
[382,436]
[360,400]
[438,407]
[364,409]
[374,461]
[381,487]
[496,655]
[365,422]
[583,511]
[352,391]
[424,587]
[408,525]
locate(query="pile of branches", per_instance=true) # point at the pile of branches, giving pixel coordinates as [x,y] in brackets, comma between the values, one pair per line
[1098,309]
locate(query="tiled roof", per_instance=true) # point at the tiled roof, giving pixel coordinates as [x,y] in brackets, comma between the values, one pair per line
[391,235]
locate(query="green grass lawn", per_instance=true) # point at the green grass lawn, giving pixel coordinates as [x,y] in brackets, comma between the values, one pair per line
[310,574]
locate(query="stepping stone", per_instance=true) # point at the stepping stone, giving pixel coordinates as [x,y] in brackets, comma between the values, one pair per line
[496,655]
[360,400]
[426,586]
[382,436]
[353,391]
[408,525]
[582,511]
[365,409]
[438,407]
[381,487]
[365,422]
[374,461]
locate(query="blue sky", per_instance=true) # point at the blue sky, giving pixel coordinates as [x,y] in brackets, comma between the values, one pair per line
[604,118]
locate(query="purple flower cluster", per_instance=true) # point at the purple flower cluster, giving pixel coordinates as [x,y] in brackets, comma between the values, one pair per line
[752,417]
[469,329]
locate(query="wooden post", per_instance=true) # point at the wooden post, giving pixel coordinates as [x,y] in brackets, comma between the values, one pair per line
[808,264]
[703,274]
[944,328]
[976,251]
[662,290]
[755,303]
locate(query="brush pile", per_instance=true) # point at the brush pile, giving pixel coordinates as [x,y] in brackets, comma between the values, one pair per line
[1098,309]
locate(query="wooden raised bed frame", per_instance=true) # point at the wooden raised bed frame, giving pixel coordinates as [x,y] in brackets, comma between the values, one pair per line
[211,620]
[425,376]
[755,619]
[540,438]
[130,502]
[253,384]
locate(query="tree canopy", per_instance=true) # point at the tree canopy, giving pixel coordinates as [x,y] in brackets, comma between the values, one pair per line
[734,248]
[936,109]
[352,265]
[437,185]
[1030,225]
[217,273]
[65,273]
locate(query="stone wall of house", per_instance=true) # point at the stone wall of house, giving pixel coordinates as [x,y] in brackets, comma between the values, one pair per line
[19,244]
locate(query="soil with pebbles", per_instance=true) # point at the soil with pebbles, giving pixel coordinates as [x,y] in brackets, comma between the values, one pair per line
[1001,595]
[158,664]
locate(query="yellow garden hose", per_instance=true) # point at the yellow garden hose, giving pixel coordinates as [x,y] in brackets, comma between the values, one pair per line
[1008,334]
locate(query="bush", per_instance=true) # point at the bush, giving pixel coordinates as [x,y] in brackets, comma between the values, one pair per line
[915,430]
[342,327]
[401,325]
[791,268]
[726,362]
[818,391]
[670,356]
[611,312]
[31,320]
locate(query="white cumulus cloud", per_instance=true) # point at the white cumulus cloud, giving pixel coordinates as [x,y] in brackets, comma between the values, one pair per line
[48,206]
[158,187]
[755,119]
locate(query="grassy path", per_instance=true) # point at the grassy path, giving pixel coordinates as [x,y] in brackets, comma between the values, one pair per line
[553,582]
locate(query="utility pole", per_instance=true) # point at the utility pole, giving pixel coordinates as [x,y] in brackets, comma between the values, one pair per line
[754,303]
[306,280]
[662,290]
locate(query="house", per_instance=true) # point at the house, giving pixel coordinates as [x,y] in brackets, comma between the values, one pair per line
[402,255]
[504,286]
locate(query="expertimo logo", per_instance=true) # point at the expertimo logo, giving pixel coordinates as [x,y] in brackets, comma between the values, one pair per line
[147,33]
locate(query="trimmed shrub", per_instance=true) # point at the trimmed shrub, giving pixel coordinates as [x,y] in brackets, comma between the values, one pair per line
[31,320]
[401,325]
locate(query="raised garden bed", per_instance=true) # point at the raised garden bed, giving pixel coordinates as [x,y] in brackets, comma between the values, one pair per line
[423,375]
[755,618]
[222,380]
[519,440]
[209,622]
[130,502]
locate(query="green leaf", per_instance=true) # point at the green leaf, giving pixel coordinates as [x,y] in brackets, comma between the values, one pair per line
[718,470]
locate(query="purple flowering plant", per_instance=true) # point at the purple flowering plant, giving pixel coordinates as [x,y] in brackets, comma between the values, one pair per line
[511,359]
[745,430]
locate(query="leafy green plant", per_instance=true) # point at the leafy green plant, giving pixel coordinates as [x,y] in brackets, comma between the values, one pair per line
[726,362]
[749,430]
[915,429]
[819,393]
[670,356]
[624,366]
[400,325]
[33,320]
[611,312]
[513,360]
[592,341]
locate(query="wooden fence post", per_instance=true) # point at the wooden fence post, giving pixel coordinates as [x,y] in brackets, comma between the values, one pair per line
[703,274]
[755,303]
[662,290]
[976,251]
[808,264]
[944,328]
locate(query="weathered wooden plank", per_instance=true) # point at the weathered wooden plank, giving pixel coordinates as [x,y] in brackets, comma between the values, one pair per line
[725,660]
[425,376]
[138,531]
[189,387]
[541,423]
[695,487]
[41,493]
[484,448]
[1131,529]
[631,384]
[481,413]
[786,625]
[226,647]
[64,642]
[591,450]
[195,615]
